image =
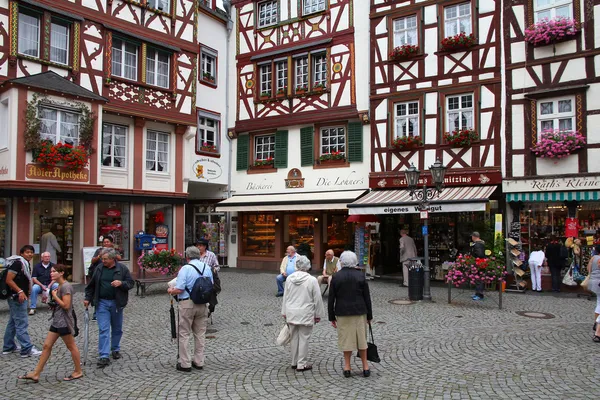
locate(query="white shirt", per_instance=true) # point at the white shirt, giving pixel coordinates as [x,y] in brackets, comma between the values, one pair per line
[537,258]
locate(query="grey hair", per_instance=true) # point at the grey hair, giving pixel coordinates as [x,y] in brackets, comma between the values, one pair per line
[348,259]
[302,264]
[292,247]
[193,253]
[46,252]
[109,252]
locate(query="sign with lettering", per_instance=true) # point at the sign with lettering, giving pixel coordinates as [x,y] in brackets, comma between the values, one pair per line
[35,171]
[452,178]
[207,169]
[414,208]
[4,170]
[552,184]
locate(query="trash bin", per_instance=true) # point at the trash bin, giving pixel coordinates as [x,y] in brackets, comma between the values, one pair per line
[416,279]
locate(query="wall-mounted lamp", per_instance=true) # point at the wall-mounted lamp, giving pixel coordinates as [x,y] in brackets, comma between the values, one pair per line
[316,219]
[276,220]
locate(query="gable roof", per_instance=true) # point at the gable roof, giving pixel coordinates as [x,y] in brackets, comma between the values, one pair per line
[50,80]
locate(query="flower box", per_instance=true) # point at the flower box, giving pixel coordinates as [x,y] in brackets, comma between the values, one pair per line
[164,262]
[318,87]
[71,157]
[208,148]
[208,78]
[265,95]
[468,270]
[461,137]
[407,142]
[300,90]
[281,93]
[551,31]
[404,52]
[558,144]
[462,41]
[334,157]
[268,163]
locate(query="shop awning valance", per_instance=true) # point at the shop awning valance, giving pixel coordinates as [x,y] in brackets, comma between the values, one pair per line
[455,199]
[337,200]
[554,196]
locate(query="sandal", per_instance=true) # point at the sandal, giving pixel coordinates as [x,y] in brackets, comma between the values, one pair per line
[72,378]
[596,339]
[28,378]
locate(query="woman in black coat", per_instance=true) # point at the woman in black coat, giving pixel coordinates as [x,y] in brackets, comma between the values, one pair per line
[555,261]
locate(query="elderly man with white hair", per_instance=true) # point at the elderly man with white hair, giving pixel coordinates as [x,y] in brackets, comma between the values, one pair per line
[302,308]
[41,280]
[287,267]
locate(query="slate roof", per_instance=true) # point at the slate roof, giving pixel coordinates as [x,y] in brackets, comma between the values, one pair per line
[50,80]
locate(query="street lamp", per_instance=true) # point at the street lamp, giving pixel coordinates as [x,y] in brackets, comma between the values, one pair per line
[424,196]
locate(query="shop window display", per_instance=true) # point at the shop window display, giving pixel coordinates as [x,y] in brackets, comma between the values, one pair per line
[113,220]
[259,239]
[5,213]
[339,234]
[299,231]
[54,219]
[159,222]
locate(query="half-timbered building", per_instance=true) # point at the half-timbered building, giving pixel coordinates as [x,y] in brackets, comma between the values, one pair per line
[301,113]
[435,94]
[551,161]
[117,78]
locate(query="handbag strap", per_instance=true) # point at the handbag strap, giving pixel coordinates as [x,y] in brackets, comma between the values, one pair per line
[371,332]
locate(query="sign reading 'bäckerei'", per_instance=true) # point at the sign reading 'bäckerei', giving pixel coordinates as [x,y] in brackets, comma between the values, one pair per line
[35,171]
[552,184]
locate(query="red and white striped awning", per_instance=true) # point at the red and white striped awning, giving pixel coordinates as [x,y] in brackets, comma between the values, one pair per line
[454,199]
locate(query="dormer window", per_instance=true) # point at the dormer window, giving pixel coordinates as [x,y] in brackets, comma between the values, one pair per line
[267,13]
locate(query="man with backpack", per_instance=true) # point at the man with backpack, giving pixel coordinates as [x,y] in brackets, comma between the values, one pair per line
[193,288]
[16,282]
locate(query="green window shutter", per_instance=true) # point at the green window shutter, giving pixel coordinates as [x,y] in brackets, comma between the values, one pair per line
[306,146]
[281,149]
[243,144]
[355,142]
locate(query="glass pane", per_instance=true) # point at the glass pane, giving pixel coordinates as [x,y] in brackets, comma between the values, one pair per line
[451,12]
[28,35]
[59,43]
[564,106]
[565,124]
[546,108]
[547,125]
[564,11]
[453,103]
[540,15]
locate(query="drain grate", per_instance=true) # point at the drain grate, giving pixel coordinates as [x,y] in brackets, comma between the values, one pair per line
[211,331]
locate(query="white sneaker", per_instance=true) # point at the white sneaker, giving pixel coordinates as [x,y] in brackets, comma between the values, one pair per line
[32,353]
[32,311]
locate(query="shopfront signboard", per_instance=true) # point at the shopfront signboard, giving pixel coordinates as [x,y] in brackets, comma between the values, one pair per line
[451,179]
[551,184]
[415,209]
[207,169]
[58,173]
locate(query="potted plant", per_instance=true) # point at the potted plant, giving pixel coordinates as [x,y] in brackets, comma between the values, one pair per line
[164,262]
[266,163]
[301,89]
[318,87]
[407,142]
[549,31]
[210,148]
[558,144]
[208,77]
[281,92]
[404,52]
[71,157]
[331,157]
[468,270]
[462,41]
[265,95]
[461,137]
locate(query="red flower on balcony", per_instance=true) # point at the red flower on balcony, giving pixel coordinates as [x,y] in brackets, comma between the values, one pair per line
[407,142]
[461,137]
[462,41]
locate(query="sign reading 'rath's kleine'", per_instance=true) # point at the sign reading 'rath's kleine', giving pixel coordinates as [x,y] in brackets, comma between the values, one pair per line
[35,171]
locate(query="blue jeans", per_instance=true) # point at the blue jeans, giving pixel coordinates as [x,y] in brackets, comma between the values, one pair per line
[17,326]
[280,280]
[36,290]
[110,327]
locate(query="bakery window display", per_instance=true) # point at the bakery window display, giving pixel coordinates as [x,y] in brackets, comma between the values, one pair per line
[259,235]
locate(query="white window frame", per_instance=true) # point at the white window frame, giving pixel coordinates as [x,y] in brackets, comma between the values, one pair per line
[52,33]
[313,6]
[60,116]
[152,77]
[406,118]
[281,70]
[160,5]
[266,78]
[268,13]
[552,8]
[461,111]
[159,139]
[111,152]
[4,117]
[203,129]
[556,117]
[456,20]
[319,69]
[301,71]
[208,63]
[402,30]
[264,154]
[21,30]
[123,58]
[330,146]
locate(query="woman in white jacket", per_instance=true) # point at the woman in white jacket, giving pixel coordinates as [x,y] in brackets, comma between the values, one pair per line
[302,307]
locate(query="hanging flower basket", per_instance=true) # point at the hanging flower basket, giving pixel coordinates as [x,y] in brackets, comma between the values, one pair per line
[404,52]
[407,142]
[335,156]
[267,163]
[462,41]
[551,31]
[558,144]
[468,270]
[164,262]
[461,137]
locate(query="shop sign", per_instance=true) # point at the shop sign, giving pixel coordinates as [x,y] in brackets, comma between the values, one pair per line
[415,209]
[551,184]
[207,169]
[4,170]
[451,179]
[35,171]
[350,180]
[112,213]
[162,235]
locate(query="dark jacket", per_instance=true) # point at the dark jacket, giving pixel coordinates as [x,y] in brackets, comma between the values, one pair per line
[92,290]
[553,255]
[42,274]
[478,249]
[349,294]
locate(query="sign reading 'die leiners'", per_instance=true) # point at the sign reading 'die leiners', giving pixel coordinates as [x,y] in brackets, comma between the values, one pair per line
[35,171]
[551,184]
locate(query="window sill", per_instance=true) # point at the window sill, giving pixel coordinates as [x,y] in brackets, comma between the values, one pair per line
[416,57]
[45,62]
[261,170]
[290,21]
[158,174]
[116,170]
[331,164]
[208,154]
[206,82]
[411,148]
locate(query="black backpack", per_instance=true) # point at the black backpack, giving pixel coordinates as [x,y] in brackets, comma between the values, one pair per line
[5,291]
[202,289]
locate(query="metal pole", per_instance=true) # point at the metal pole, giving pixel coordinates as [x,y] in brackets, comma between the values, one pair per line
[426,288]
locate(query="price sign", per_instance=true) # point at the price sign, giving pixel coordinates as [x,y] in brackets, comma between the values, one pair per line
[423,214]
[425,230]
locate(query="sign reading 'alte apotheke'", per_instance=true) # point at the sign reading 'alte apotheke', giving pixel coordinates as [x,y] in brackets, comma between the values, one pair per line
[35,171]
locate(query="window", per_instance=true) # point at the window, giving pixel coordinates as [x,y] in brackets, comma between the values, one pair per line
[208,134]
[264,147]
[4,125]
[113,221]
[320,69]
[258,235]
[157,68]
[206,3]
[162,5]
[312,6]
[556,114]
[302,72]
[460,112]
[550,9]
[29,35]
[157,151]
[124,59]
[267,13]
[114,145]
[208,62]
[406,117]
[59,126]
[59,43]
[333,140]
[159,222]
[282,75]
[457,19]
[265,79]
[405,31]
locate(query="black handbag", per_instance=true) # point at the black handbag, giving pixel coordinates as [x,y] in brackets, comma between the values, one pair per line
[372,354]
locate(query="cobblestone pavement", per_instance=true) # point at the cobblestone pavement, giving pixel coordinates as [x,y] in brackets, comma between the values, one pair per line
[435,350]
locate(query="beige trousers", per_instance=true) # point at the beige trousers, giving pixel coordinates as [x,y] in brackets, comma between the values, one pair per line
[320,279]
[300,336]
[405,272]
[192,321]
